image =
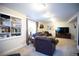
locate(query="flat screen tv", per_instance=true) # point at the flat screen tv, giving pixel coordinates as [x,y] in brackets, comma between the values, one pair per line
[62,30]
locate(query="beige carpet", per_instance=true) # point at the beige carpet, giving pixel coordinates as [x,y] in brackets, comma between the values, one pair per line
[65,47]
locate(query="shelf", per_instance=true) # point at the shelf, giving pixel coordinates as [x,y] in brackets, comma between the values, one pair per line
[15,32]
[4,32]
[9,26]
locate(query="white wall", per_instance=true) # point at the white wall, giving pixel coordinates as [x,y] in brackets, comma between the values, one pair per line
[56,24]
[74,21]
[45,26]
[14,42]
[74,30]
[78,32]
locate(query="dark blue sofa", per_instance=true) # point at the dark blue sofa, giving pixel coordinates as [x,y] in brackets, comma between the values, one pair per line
[44,45]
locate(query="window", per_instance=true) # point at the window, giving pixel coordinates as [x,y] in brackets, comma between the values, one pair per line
[31,27]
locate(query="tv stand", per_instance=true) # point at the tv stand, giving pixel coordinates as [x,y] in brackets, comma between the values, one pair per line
[63,35]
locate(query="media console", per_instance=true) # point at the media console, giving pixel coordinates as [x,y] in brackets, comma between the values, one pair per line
[63,35]
[63,32]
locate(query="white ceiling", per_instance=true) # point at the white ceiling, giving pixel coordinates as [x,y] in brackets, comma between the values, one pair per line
[60,11]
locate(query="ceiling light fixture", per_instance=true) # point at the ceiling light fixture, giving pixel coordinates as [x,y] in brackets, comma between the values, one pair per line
[39,7]
[47,15]
[53,19]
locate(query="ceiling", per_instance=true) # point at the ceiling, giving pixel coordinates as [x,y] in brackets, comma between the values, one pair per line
[60,11]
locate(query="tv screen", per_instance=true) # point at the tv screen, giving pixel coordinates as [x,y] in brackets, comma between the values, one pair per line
[63,30]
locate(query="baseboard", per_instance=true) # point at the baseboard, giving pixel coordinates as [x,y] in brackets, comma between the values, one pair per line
[14,49]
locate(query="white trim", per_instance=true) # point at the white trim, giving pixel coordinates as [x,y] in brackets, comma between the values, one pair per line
[72,18]
[14,49]
[77,32]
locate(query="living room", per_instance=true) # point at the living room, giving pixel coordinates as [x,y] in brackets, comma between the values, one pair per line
[67,36]
[40,32]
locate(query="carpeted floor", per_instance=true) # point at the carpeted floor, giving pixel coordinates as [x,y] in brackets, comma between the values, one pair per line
[65,47]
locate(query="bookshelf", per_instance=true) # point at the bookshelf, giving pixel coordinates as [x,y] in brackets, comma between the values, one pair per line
[9,26]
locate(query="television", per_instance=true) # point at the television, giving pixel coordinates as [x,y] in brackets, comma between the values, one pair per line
[62,30]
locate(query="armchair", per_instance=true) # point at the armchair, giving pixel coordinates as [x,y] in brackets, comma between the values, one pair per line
[44,45]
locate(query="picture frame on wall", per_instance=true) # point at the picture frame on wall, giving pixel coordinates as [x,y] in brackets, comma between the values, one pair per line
[41,26]
[48,27]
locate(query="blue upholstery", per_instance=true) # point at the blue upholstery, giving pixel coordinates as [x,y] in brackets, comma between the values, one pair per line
[44,45]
